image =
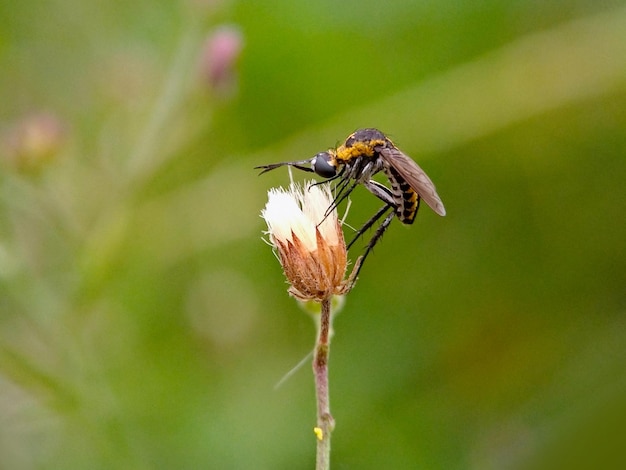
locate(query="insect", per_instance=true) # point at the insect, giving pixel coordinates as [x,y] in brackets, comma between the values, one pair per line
[363,154]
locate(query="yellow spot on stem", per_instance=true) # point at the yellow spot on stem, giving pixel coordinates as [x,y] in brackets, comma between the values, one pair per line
[319,433]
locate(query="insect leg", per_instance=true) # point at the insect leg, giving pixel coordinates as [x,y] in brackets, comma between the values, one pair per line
[344,192]
[369,223]
[381,191]
[377,236]
[338,175]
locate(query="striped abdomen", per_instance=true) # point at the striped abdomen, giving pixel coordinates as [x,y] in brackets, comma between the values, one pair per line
[404,195]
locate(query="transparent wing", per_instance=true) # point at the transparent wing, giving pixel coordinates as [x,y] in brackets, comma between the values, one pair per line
[415,176]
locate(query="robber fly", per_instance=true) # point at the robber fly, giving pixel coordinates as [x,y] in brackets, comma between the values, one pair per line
[363,154]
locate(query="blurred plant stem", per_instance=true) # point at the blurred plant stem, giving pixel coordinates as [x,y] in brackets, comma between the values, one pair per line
[325,421]
[154,145]
[148,154]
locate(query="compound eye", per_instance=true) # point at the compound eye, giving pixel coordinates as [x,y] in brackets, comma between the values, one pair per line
[323,165]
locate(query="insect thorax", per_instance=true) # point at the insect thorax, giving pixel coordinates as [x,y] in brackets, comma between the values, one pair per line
[362,143]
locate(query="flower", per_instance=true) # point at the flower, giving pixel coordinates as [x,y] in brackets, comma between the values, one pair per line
[33,142]
[220,54]
[309,242]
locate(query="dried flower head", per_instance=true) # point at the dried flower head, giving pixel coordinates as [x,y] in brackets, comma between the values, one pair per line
[310,245]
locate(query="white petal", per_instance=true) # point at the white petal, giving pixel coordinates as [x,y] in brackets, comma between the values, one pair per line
[283,215]
[317,200]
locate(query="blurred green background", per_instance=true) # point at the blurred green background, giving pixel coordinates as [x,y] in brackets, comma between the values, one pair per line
[144,323]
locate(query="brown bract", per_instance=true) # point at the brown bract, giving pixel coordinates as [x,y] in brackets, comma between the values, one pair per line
[313,275]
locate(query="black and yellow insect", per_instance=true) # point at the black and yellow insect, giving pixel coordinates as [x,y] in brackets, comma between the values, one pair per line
[363,154]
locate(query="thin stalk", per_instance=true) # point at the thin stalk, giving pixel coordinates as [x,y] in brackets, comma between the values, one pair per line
[325,421]
[147,155]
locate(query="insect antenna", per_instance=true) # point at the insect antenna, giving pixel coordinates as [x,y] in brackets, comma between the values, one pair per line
[300,165]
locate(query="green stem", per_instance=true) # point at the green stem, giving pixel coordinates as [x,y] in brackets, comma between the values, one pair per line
[325,421]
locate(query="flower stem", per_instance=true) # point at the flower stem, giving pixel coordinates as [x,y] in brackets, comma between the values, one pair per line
[325,421]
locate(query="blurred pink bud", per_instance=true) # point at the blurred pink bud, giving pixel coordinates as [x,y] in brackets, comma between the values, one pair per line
[219,56]
[33,141]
